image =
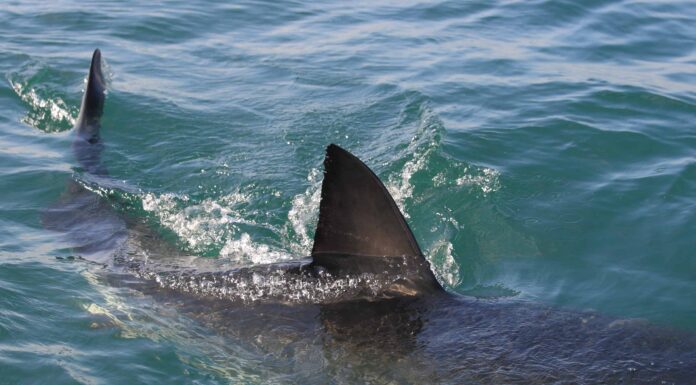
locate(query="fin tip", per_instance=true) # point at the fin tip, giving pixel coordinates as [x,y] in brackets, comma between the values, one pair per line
[93,99]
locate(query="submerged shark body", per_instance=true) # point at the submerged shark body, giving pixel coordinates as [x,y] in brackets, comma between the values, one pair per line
[365,306]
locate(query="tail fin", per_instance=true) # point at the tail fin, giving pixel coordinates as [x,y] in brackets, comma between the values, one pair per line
[360,227]
[88,123]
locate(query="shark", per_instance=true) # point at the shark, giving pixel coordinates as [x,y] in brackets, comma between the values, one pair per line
[365,306]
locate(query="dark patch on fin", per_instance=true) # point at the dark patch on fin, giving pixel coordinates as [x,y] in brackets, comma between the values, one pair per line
[92,107]
[360,227]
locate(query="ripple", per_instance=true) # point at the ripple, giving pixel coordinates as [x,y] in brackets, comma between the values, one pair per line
[47,111]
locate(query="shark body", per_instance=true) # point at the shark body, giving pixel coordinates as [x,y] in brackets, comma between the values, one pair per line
[365,304]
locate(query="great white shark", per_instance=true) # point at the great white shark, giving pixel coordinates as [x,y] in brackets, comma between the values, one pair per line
[365,306]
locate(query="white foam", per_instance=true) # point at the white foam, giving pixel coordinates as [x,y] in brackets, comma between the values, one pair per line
[212,222]
[401,188]
[244,249]
[54,110]
[422,145]
[444,265]
[276,285]
[304,214]
[486,179]
[199,225]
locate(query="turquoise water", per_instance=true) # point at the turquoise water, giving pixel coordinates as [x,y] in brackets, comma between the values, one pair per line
[541,151]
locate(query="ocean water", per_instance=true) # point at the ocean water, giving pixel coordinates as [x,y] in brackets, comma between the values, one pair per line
[541,151]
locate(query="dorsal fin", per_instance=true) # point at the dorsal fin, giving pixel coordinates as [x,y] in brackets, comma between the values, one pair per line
[360,225]
[87,145]
[88,123]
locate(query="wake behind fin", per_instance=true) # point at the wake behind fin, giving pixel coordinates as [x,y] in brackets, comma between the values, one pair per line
[88,122]
[360,227]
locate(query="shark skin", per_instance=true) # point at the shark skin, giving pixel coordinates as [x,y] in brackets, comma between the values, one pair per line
[365,306]
[89,222]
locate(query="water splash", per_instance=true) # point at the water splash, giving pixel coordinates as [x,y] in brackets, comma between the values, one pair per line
[401,187]
[244,249]
[443,263]
[212,223]
[197,225]
[304,214]
[486,179]
[422,145]
[46,113]
[273,283]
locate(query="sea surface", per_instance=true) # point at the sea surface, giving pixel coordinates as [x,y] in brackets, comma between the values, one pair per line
[542,151]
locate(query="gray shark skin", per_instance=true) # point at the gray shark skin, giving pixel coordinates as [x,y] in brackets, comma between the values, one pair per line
[365,306]
[90,223]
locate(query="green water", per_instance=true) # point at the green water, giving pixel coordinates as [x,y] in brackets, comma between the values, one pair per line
[542,151]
